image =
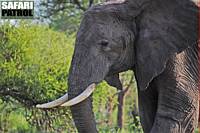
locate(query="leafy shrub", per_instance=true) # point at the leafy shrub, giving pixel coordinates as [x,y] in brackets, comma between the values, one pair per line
[34,63]
[34,60]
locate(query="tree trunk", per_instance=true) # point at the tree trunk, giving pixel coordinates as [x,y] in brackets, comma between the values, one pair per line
[121,99]
[120,114]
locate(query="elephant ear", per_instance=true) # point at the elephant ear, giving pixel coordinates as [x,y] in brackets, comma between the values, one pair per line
[165,27]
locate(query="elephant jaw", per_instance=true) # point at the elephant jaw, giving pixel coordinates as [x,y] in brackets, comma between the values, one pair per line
[63,101]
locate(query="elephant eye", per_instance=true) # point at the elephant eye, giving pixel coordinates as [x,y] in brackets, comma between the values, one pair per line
[104,43]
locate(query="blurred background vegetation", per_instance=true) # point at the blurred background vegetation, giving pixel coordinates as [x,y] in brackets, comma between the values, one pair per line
[35,57]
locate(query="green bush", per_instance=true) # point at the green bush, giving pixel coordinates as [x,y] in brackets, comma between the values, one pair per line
[34,63]
[34,60]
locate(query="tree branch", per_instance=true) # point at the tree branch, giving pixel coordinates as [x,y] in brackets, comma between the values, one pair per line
[19,96]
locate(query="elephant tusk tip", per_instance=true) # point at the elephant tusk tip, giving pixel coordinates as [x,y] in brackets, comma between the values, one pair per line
[54,103]
[39,106]
[43,106]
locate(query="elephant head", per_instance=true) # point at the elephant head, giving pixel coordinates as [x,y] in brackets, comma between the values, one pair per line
[121,35]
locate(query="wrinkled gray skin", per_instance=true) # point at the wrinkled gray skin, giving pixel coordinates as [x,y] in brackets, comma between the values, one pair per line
[154,38]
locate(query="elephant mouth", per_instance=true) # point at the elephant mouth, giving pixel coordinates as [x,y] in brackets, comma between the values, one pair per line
[64,101]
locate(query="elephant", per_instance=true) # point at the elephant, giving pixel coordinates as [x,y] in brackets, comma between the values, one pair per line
[158,40]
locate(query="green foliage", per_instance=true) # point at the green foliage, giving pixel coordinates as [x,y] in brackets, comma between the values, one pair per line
[105,107]
[34,63]
[65,15]
[66,21]
[35,60]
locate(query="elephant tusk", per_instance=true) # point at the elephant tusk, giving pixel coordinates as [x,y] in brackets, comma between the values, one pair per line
[85,94]
[54,103]
[62,100]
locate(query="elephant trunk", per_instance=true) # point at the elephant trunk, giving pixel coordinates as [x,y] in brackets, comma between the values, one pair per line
[82,113]
[86,69]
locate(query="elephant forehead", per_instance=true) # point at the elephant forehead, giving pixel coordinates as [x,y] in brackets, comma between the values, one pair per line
[99,30]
